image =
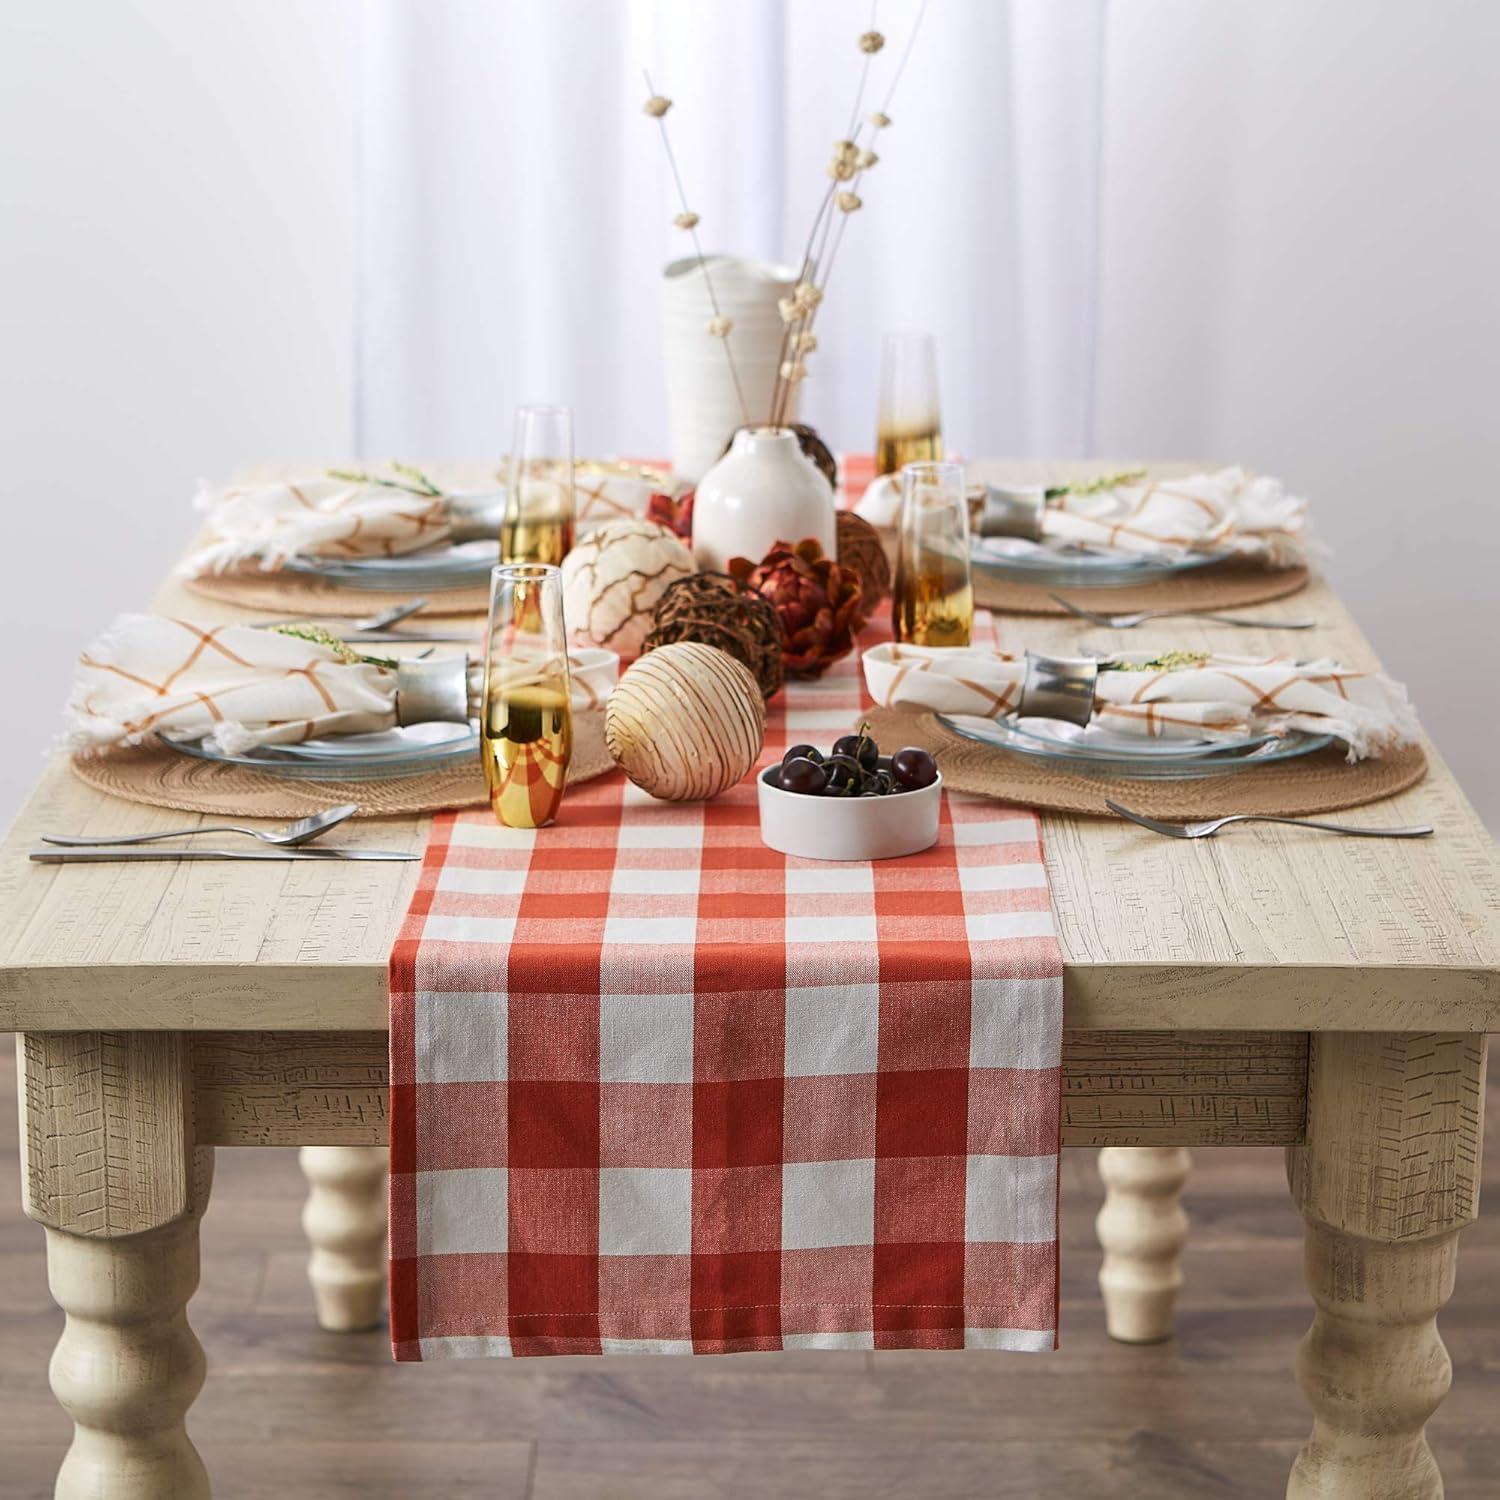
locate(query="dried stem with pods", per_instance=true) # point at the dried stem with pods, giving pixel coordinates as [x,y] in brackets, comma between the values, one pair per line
[846,171]
[851,160]
[718,326]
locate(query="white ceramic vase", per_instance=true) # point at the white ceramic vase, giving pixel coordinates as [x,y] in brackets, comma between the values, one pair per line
[763,491]
[705,408]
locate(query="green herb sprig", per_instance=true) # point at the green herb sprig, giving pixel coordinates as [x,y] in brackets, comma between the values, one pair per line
[1168,661]
[1093,486]
[413,481]
[304,630]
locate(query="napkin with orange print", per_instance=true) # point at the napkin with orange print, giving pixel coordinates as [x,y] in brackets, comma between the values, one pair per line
[388,511]
[1184,695]
[1250,516]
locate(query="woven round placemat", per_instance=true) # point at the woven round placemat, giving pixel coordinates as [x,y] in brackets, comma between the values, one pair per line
[1225,585]
[165,778]
[1315,783]
[306,594]
[1220,586]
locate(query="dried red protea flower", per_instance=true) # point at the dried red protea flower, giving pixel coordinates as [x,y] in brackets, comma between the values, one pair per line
[675,515]
[818,601]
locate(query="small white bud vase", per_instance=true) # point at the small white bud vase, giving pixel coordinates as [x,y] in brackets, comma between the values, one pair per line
[763,491]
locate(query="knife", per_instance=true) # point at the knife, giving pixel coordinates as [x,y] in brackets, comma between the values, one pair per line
[104,854]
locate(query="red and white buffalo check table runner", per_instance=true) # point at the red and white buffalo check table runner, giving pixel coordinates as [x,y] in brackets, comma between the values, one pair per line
[656,1088]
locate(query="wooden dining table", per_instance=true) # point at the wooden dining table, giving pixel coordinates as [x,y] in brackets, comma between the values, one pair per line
[1270,987]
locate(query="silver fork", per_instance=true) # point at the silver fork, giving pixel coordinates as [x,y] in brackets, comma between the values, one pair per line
[1213,825]
[1127,622]
[293,836]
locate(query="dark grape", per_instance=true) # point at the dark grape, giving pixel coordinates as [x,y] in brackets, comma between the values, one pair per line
[858,747]
[804,752]
[913,768]
[845,775]
[804,775]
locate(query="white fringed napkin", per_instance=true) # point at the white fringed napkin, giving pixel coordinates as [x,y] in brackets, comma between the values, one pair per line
[1215,698]
[238,687]
[316,516]
[380,515]
[233,685]
[1250,516]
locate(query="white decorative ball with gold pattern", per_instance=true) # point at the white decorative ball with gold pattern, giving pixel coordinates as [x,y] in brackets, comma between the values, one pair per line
[613,578]
[686,722]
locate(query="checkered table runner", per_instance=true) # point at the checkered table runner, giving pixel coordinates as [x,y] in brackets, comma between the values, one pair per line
[656,1088]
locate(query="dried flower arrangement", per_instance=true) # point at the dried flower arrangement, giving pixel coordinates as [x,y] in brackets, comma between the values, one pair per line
[675,512]
[818,599]
[850,161]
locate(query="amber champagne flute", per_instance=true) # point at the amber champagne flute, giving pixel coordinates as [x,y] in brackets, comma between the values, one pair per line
[933,598]
[526,734]
[909,429]
[540,509]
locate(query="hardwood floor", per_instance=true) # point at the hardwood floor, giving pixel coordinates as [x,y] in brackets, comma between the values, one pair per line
[290,1411]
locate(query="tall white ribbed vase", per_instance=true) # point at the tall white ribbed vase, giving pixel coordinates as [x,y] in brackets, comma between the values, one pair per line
[704,407]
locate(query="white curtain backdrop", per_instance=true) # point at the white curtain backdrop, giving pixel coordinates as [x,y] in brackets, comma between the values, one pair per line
[515,208]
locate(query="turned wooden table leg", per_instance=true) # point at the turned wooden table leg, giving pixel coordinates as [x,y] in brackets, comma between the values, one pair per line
[110,1168]
[1142,1229]
[1387,1178]
[345,1223]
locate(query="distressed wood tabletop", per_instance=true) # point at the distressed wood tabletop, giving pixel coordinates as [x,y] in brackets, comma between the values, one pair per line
[1267,929]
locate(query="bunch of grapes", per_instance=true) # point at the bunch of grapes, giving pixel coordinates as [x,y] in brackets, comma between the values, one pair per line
[855,768]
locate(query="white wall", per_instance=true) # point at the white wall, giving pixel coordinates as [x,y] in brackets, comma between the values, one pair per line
[1301,272]
[176,231]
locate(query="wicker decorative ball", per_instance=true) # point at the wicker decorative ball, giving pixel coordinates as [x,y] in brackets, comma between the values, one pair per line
[715,610]
[686,722]
[613,578]
[860,548]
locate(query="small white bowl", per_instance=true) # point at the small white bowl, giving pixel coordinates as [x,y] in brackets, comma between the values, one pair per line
[848,827]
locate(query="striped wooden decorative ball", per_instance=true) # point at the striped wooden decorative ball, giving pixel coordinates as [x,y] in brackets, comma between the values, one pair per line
[686,721]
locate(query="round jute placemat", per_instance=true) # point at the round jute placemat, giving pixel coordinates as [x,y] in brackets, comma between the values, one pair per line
[305,594]
[165,778]
[1225,585]
[1221,586]
[1313,784]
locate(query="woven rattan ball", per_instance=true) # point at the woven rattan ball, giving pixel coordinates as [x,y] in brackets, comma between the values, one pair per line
[860,548]
[714,609]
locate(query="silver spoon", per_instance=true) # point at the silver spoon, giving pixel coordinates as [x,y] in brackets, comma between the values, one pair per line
[1126,622]
[1212,826]
[381,621]
[303,831]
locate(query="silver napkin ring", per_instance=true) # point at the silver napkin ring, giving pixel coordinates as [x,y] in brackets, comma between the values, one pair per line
[1058,687]
[476,518]
[1015,510]
[433,692]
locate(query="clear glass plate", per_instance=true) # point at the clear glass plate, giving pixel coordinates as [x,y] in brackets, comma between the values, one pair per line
[1113,744]
[379,756]
[1002,736]
[1065,565]
[400,743]
[451,567]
